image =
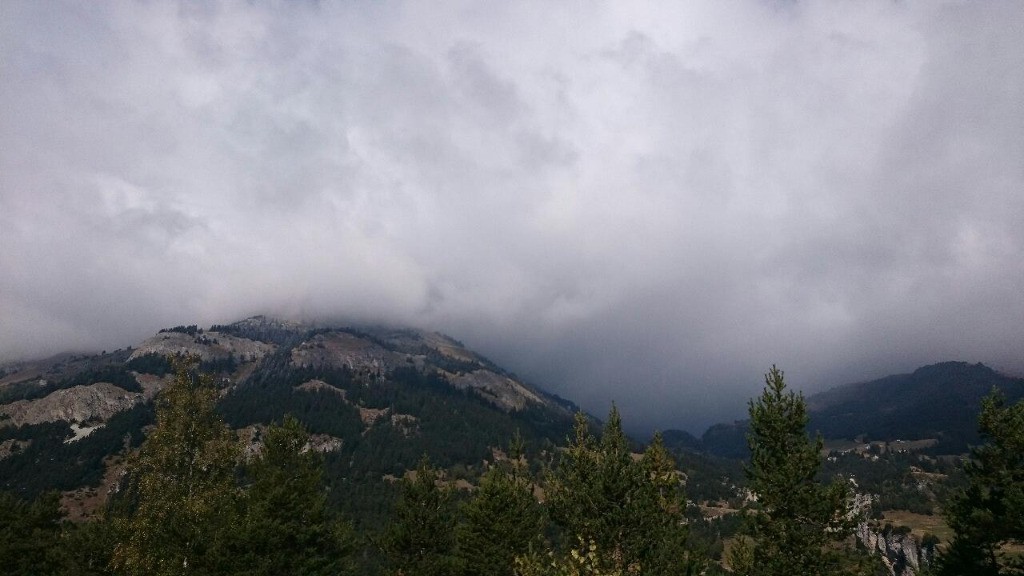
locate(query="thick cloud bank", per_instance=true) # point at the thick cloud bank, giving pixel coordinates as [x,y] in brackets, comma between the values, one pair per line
[641,202]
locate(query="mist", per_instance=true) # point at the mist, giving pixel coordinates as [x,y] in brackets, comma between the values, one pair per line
[640,203]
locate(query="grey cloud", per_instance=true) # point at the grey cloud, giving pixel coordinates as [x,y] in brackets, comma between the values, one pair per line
[645,203]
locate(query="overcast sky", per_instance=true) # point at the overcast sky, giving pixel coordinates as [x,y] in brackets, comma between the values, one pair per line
[646,203]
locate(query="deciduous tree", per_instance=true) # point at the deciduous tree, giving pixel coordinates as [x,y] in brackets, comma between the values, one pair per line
[181,485]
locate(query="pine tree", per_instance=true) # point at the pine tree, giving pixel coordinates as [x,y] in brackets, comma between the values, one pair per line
[665,507]
[420,540]
[29,534]
[589,493]
[583,559]
[626,514]
[503,520]
[181,485]
[796,517]
[86,548]
[989,513]
[286,526]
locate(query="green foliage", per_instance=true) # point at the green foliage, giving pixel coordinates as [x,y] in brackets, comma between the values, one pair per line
[286,526]
[584,559]
[939,401]
[451,426]
[631,511]
[420,540]
[989,512]
[503,519]
[87,548]
[29,534]
[727,440]
[191,330]
[661,499]
[116,374]
[48,463]
[152,363]
[891,478]
[182,485]
[796,517]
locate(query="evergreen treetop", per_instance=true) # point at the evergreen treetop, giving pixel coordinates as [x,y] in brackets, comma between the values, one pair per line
[795,517]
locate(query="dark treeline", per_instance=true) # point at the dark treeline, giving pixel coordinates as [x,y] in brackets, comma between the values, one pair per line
[193,501]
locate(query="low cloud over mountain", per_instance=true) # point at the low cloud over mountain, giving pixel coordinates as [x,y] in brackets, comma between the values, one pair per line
[646,204]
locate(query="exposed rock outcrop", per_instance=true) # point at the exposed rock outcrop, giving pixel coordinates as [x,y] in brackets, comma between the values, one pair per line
[12,446]
[502,391]
[252,442]
[317,385]
[901,552]
[375,354]
[95,402]
[208,346]
[323,443]
[341,349]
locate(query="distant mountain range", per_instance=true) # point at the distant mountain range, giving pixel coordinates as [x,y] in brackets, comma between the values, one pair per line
[939,402]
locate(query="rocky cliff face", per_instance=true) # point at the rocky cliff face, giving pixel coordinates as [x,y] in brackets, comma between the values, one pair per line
[901,552]
[208,346]
[376,352]
[96,402]
[501,391]
[341,349]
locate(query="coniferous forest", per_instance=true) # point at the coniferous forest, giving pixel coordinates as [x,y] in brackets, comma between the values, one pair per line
[198,497]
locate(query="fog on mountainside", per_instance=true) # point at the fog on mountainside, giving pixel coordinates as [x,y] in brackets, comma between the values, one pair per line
[641,203]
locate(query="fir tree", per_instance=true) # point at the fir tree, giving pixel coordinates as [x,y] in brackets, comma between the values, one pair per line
[664,503]
[86,548]
[796,517]
[503,519]
[626,514]
[29,534]
[420,539]
[286,526]
[589,493]
[988,514]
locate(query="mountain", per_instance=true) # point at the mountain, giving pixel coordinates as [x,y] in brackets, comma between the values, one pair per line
[939,402]
[374,399]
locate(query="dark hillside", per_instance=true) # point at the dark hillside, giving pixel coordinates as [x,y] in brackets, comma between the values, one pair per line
[939,401]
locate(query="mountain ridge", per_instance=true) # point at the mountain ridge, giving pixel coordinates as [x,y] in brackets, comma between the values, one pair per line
[376,398]
[935,402]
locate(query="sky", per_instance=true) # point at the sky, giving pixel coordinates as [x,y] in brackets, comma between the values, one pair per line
[646,203]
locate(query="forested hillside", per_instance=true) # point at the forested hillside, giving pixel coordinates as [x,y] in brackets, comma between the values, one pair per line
[264,447]
[938,402]
[376,400]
